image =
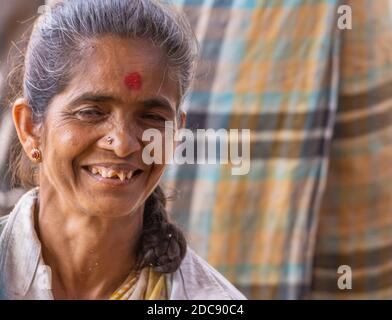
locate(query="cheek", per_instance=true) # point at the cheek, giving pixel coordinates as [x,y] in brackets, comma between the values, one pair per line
[68,138]
[67,144]
[154,178]
[158,169]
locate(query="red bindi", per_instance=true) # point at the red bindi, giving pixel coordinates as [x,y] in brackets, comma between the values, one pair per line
[133,81]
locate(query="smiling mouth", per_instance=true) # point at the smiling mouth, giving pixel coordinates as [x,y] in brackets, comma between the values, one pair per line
[121,175]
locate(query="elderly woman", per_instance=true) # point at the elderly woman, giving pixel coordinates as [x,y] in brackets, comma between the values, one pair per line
[97,73]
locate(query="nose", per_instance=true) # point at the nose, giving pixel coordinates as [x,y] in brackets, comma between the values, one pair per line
[122,140]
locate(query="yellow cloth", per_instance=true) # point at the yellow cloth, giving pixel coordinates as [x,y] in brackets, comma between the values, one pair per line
[148,285]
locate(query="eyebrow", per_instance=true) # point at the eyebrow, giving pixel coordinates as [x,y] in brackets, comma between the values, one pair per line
[150,103]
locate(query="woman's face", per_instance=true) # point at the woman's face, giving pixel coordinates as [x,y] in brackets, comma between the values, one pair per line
[98,103]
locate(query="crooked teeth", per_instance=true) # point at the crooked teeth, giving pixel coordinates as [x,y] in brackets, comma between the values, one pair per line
[110,173]
[121,175]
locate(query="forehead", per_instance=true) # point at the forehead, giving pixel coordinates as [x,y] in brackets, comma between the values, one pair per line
[107,61]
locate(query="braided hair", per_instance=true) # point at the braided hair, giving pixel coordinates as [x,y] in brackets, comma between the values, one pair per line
[162,243]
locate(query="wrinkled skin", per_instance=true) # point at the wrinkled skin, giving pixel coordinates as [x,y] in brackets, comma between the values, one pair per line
[89,225]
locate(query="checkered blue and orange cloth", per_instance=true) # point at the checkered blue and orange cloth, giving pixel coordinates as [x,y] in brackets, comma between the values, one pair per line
[318,101]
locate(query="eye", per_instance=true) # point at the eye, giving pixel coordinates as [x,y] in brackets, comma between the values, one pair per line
[154,117]
[89,112]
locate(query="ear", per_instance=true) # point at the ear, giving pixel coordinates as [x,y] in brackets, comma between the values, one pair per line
[182,122]
[28,132]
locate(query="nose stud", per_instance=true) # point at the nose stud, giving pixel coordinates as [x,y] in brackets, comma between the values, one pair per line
[109,140]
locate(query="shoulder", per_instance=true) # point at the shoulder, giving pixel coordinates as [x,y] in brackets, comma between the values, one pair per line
[197,280]
[14,224]
[24,205]
[3,222]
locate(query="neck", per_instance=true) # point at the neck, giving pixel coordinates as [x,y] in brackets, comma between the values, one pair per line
[90,256]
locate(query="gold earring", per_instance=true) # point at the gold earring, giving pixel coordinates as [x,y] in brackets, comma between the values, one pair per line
[36,154]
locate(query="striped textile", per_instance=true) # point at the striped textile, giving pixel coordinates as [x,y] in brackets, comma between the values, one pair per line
[145,285]
[318,102]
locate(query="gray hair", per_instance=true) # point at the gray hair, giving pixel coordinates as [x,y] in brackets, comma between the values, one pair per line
[61,33]
[57,40]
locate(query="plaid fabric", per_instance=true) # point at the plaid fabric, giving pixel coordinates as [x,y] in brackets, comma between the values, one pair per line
[355,221]
[318,102]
